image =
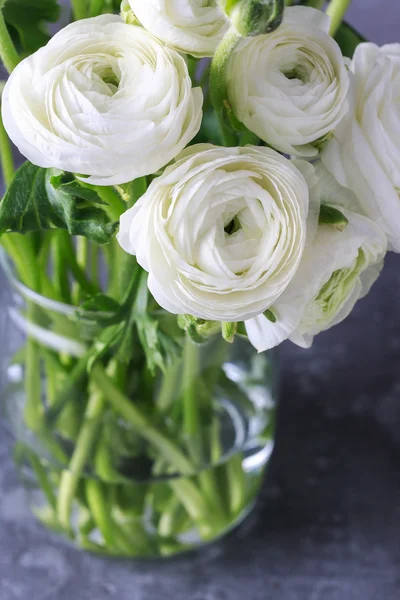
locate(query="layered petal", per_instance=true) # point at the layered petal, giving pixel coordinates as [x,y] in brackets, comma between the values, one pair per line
[103,99]
[191,26]
[337,269]
[290,87]
[364,155]
[221,232]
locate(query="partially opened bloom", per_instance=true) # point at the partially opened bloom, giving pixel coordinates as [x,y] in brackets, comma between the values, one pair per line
[221,232]
[290,87]
[104,99]
[337,269]
[191,26]
[365,153]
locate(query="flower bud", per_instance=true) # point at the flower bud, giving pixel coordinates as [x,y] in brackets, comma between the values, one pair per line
[199,330]
[127,13]
[254,17]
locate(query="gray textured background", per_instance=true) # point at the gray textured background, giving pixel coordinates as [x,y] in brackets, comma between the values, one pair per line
[328,524]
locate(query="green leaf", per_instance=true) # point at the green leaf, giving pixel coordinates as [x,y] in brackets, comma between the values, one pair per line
[96,314]
[39,199]
[28,18]
[332,216]
[348,39]
[106,342]
[100,303]
[160,349]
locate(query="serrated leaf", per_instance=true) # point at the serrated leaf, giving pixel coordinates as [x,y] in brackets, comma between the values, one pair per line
[28,20]
[159,348]
[332,216]
[95,314]
[348,39]
[39,199]
[66,183]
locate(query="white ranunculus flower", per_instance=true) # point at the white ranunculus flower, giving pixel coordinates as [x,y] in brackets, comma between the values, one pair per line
[337,269]
[365,153]
[221,232]
[194,27]
[290,87]
[104,99]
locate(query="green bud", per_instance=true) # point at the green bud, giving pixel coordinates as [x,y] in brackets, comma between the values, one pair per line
[332,216]
[198,330]
[229,331]
[127,13]
[254,17]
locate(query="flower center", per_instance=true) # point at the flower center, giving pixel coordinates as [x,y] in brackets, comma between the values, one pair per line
[298,72]
[233,226]
[109,77]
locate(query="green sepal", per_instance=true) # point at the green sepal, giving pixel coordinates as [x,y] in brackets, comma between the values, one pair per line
[332,216]
[229,330]
[254,17]
[199,330]
[270,315]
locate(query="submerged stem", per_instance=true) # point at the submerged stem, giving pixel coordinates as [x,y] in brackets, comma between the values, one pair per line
[140,422]
[71,476]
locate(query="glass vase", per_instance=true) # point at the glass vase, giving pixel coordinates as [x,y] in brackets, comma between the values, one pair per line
[119,460]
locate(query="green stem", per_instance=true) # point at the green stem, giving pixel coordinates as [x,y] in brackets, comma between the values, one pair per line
[33,409]
[94,264]
[125,264]
[169,388]
[70,478]
[236,483]
[143,427]
[61,282]
[8,53]
[190,388]
[336,11]
[318,4]
[115,206]
[79,9]
[42,479]
[7,161]
[77,265]
[75,376]
[96,7]
[218,88]
[95,495]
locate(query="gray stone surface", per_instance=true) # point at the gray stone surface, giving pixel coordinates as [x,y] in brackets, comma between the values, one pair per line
[328,522]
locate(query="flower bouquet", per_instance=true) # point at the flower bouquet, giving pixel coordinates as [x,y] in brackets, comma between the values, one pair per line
[204,180]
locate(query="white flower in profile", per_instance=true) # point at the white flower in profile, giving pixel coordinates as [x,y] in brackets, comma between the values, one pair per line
[365,152]
[103,99]
[193,27]
[290,87]
[221,232]
[337,269]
